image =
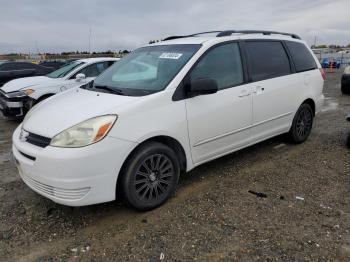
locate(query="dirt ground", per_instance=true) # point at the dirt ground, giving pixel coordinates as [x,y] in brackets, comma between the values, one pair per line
[212,217]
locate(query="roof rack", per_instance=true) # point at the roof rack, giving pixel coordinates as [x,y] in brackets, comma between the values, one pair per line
[183,36]
[230,32]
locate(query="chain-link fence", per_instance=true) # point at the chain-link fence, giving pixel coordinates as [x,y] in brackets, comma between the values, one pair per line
[344,58]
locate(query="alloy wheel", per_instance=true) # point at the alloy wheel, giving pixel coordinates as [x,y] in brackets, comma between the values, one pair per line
[154,177]
[304,123]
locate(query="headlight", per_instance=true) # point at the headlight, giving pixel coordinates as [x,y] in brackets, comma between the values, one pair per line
[21,93]
[85,133]
[16,94]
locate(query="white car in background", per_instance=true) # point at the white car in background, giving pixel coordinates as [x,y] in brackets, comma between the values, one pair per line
[18,96]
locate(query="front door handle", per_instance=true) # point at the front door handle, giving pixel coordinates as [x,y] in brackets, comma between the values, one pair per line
[244,93]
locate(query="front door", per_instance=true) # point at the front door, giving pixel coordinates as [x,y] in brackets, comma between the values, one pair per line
[219,123]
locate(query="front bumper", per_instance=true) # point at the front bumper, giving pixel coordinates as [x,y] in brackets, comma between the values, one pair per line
[72,176]
[16,106]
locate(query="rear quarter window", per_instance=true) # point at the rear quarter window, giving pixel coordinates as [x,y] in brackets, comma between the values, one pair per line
[302,58]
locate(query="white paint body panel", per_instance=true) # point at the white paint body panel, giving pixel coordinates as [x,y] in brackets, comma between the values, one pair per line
[207,126]
[220,122]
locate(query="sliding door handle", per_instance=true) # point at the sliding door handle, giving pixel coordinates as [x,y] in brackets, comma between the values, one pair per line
[244,95]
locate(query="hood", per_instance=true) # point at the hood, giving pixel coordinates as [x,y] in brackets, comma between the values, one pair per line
[28,82]
[72,107]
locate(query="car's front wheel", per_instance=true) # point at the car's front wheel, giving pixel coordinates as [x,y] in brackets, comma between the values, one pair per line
[150,176]
[302,124]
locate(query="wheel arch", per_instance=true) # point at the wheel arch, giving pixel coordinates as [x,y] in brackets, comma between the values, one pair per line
[164,139]
[311,103]
[43,97]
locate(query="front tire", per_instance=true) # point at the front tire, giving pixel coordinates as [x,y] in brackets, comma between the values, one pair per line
[302,124]
[150,176]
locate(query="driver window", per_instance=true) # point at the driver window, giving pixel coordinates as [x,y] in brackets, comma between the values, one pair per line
[222,64]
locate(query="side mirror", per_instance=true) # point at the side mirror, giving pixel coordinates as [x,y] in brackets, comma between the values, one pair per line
[80,77]
[203,86]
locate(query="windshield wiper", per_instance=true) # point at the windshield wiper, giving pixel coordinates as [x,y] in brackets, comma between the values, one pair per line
[109,89]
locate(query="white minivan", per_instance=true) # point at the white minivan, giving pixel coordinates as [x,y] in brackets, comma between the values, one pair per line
[164,109]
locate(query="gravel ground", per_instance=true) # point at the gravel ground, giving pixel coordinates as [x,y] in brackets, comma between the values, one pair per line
[212,217]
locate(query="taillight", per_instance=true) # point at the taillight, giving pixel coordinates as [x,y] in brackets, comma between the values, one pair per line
[322,73]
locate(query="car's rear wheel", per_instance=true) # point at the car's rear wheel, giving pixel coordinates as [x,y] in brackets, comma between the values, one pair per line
[150,176]
[302,124]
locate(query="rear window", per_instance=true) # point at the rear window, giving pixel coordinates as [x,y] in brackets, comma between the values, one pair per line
[302,58]
[267,59]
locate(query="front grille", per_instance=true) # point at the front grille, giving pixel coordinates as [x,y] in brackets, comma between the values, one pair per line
[61,193]
[38,140]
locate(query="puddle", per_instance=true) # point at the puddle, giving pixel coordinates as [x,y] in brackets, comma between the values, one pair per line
[329,105]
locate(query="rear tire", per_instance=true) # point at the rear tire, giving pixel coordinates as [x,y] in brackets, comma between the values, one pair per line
[150,176]
[302,124]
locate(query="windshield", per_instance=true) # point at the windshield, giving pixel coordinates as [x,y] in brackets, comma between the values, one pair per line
[146,70]
[65,70]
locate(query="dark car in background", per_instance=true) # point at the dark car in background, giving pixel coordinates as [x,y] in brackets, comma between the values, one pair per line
[345,81]
[53,64]
[327,62]
[13,70]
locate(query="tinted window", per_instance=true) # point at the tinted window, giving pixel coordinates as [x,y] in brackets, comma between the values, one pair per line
[267,60]
[301,56]
[223,64]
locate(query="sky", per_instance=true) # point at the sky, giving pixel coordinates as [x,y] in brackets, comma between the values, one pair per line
[64,25]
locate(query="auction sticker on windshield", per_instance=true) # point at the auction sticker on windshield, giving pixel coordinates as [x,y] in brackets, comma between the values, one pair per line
[170,55]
